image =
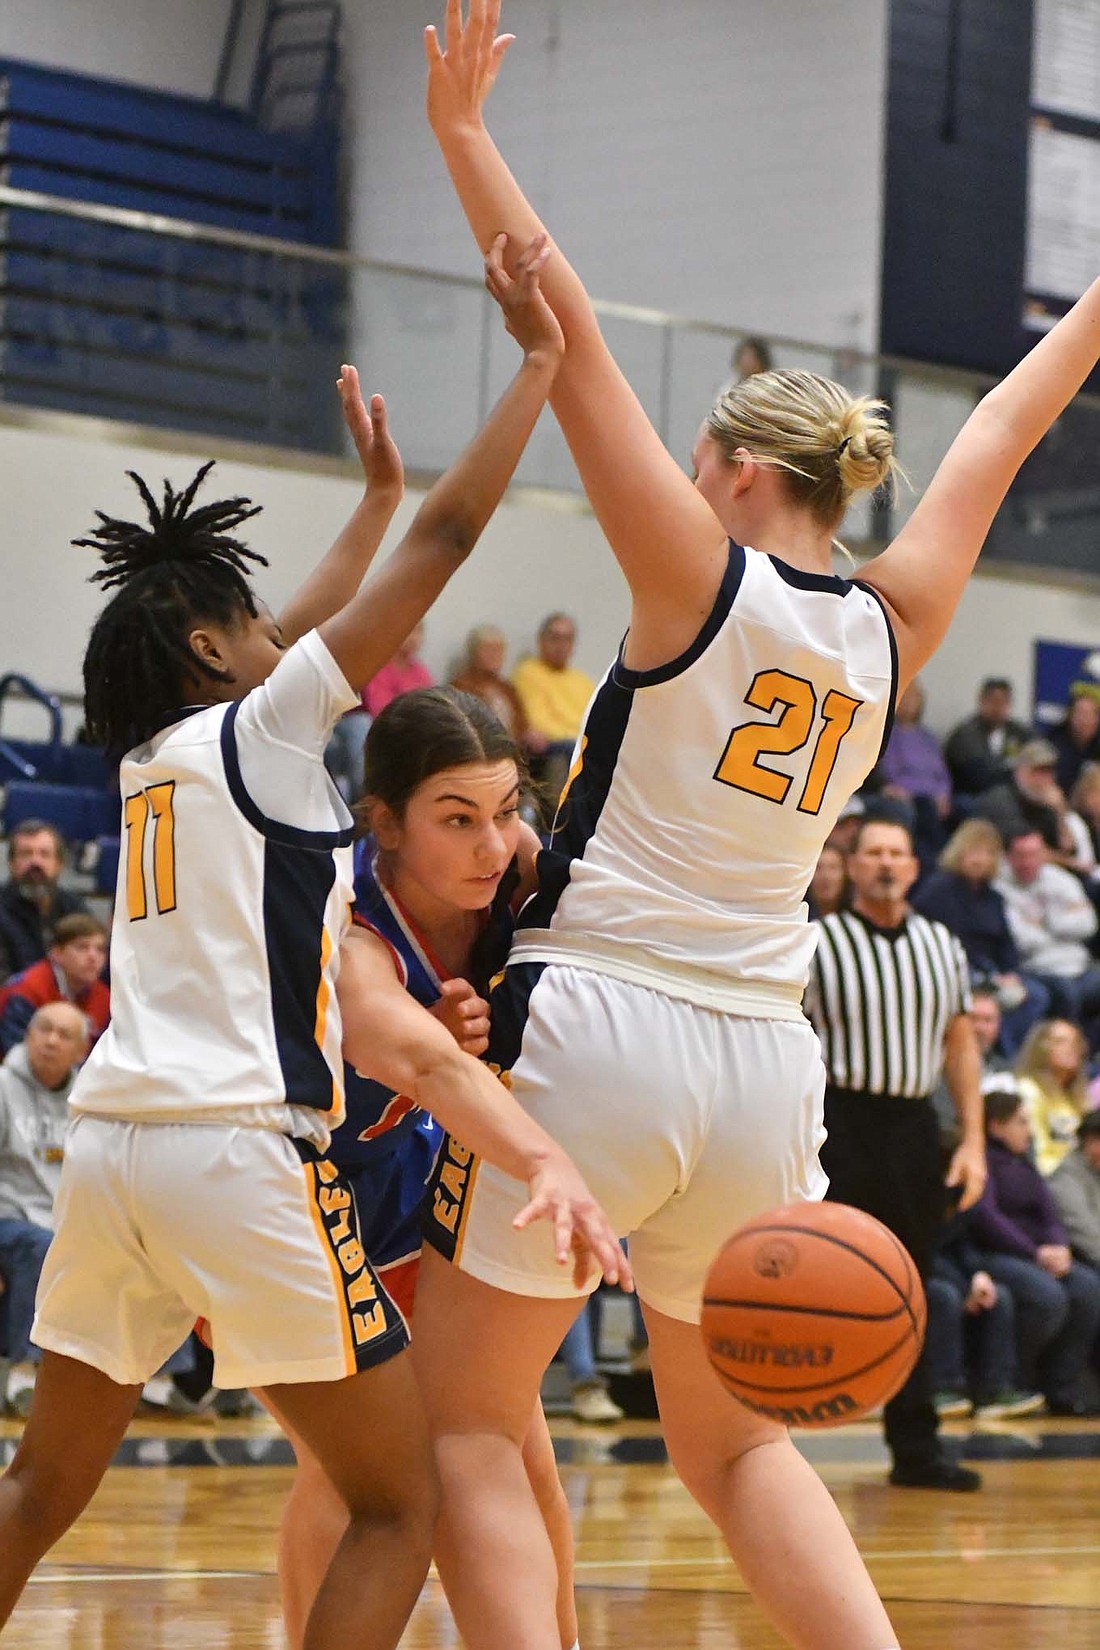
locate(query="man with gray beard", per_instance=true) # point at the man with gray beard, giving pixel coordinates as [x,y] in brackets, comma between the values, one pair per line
[31,902]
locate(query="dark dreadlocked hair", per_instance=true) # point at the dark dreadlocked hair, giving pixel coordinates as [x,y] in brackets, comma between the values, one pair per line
[182,569]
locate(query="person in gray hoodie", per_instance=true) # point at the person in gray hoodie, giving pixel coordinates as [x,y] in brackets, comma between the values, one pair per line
[1075,1187]
[35,1080]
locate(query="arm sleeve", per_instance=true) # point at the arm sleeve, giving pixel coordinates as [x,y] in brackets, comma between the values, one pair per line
[1071,914]
[1081,1222]
[992,1229]
[301,700]
[962,970]
[280,733]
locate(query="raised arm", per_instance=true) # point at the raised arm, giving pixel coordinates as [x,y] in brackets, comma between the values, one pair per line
[390,1037]
[922,574]
[663,533]
[341,571]
[450,521]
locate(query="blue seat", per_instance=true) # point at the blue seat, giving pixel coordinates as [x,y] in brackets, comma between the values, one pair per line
[106,866]
[86,765]
[81,813]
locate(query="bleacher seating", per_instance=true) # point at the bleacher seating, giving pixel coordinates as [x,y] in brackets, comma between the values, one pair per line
[124,323]
[81,812]
[69,785]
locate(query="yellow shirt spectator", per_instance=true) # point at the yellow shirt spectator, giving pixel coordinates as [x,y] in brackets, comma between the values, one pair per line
[554,694]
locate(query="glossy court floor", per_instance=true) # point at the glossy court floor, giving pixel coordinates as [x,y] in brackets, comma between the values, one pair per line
[176,1551]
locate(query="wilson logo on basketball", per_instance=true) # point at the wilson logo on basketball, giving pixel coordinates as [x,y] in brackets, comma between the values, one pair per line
[841,1407]
[775,1259]
[779,1356]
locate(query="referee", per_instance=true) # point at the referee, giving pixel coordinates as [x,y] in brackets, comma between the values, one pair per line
[889,998]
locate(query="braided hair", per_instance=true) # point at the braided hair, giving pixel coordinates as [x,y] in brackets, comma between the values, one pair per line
[182,569]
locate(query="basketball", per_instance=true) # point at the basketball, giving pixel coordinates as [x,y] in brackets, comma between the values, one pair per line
[813,1314]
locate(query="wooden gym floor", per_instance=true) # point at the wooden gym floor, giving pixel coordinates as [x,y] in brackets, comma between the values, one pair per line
[176,1551]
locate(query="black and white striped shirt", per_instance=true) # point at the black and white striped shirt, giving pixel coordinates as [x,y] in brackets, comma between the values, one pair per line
[881,1000]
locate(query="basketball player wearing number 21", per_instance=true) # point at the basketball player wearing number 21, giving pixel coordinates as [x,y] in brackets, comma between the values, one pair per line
[650,1015]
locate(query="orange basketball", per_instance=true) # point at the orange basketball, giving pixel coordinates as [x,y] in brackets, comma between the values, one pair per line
[813,1314]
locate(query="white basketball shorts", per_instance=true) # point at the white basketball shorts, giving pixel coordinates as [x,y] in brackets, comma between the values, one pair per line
[685,1122]
[162,1223]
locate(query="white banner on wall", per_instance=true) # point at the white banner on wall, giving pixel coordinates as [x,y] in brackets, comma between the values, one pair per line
[1063,192]
[1063,210]
[1065,76]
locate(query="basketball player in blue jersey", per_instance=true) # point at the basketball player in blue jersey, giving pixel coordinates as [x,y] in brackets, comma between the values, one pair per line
[195,1181]
[446,860]
[650,1017]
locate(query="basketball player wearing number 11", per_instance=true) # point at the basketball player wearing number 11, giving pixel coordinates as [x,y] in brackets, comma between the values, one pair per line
[650,1015]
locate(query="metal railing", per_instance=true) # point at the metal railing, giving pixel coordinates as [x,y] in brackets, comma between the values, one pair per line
[240,335]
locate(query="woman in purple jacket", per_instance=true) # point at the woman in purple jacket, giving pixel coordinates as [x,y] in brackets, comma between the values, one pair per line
[1027,1250]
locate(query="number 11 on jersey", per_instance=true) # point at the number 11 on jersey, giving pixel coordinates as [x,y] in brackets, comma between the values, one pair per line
[796,701]
[155,800]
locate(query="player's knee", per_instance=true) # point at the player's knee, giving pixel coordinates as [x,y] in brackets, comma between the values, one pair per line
[705,1465]
[406,1506]
[39,1505]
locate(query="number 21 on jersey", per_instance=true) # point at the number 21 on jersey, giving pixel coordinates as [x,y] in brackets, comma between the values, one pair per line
[154,802]
[796,701]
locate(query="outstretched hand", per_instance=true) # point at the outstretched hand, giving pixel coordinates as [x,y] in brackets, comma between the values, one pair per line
[527,315]
[382,467]
[461,72]
[582,1232]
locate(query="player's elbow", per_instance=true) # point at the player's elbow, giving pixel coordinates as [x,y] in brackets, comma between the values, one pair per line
[445,535]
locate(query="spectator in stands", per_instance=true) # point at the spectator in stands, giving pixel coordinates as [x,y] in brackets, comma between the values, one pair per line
[962,895]
[554,695]
[979,752]
[1085,807]
[844,832]
[751,356]
[985,1015]
[972,1327]
[31,902]
[482,674]
[589,1398]
[344,756]
[828,890]
[404,672]
[71,971]
[1030,800]
[35,1081]
[1052,1077]
[1026,1249]
[1077,737]
[1075,1188]
[913,771]
[1052,919]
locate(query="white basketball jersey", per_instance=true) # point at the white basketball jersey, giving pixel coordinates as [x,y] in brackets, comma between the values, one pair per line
[702,793]
[228,918]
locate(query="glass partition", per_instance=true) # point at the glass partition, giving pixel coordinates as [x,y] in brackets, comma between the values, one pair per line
[158,321]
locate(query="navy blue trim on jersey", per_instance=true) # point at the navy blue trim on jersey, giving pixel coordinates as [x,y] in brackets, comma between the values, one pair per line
[582,800]
[799,579]
[888,726]
[291,836]
[719,613]
[296,891]
[178,716]
[374,1326]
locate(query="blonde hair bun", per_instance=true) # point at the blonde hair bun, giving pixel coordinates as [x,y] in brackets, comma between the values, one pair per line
[832,445]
